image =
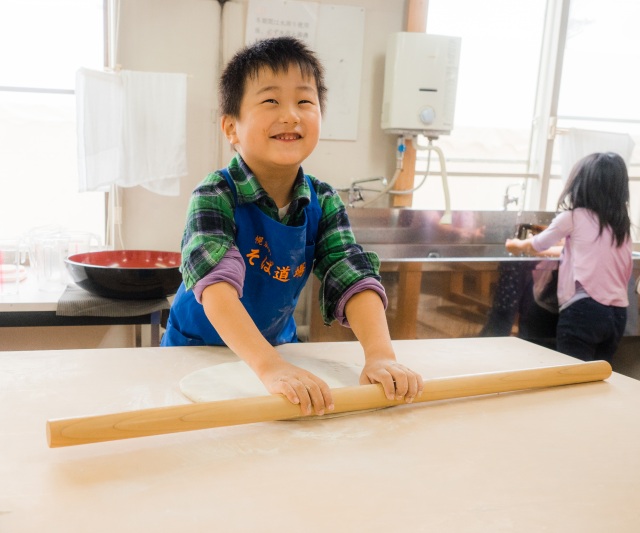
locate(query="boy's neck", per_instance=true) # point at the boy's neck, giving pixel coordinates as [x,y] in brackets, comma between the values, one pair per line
[280,188]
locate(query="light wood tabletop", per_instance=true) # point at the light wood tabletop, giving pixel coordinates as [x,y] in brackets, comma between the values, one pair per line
[559,459]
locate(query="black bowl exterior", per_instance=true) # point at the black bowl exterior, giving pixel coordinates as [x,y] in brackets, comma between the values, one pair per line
[126,283]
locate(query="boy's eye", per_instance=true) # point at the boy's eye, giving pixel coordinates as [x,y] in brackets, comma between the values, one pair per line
[306,102]
[270,101]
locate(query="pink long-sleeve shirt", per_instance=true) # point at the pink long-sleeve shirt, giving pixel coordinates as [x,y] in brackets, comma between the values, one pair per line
[589,262]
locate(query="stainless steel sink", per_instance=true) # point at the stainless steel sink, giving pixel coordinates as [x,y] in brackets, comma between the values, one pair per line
[410,235]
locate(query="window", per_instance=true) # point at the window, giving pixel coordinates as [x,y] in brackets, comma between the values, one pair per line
[504,72]
[42,44]
[599,87]
[496,93]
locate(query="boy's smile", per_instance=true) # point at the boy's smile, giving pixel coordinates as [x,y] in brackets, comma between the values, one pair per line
[279,123]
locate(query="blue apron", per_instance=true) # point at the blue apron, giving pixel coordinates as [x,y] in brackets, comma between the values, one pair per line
[278,261]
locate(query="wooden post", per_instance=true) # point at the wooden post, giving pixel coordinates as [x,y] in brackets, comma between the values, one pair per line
[417,15]
[416,22]
[405,325]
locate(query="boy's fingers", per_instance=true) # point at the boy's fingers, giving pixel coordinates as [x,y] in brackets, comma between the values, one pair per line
[302,396]
[308,395]
[398,382]
[402,385]
[415,386]
[389,386]
[288,391]
[320,395]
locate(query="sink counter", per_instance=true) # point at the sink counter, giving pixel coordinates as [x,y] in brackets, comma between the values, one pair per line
[415,235]
[454,280]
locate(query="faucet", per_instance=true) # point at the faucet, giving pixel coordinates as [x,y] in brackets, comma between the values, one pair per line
[508,199]
[355,191]
[355,195]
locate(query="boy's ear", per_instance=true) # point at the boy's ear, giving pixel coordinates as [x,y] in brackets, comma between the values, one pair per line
[228,125]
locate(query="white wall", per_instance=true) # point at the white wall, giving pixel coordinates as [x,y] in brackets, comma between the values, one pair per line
[184,36]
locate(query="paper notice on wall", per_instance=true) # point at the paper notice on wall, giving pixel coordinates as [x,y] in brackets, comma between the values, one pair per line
[336,34]
[275,18]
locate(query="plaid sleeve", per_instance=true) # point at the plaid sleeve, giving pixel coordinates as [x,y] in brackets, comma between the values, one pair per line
[209,230]
[339,260]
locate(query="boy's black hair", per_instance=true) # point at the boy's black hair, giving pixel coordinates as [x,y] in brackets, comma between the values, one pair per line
[276,54]
[600,182]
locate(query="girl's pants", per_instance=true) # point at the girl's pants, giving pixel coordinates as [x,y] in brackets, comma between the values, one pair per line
[589,330]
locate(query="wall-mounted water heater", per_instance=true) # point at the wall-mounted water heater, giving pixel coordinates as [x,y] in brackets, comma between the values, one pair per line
[420,82]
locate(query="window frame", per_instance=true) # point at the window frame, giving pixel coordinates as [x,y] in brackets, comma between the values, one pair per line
[539,177]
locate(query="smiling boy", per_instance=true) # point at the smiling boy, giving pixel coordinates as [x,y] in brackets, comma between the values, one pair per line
[257,229]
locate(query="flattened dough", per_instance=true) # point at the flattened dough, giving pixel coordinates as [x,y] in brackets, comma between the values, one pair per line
[228,381]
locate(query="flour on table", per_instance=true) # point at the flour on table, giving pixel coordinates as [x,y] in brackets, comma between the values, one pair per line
[229,381]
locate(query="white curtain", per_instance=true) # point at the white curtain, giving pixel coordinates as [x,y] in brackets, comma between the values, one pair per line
[131,130]
[576,144]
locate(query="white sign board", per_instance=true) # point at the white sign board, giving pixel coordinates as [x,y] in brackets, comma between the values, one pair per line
[336,34]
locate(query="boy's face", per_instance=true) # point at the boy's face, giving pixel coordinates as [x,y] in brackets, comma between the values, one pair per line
[279,122]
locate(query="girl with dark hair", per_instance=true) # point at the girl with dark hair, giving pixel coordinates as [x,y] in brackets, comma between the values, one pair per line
[596,261]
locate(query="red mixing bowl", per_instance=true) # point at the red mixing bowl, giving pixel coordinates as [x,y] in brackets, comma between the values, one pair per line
[127,274]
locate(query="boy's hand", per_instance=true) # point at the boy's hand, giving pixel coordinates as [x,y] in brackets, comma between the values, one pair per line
[230,318]
[299,386]
[366,316]
[398,381]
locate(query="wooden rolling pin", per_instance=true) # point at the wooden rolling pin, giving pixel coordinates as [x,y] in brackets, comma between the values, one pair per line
[162,420]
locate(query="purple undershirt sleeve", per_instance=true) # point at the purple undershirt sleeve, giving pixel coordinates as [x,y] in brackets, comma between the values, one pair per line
[230,269]
[362,285]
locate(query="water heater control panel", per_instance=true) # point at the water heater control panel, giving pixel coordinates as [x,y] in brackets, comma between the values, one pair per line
[420,83]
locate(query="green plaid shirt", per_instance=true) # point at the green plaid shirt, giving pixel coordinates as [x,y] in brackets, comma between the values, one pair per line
[210,231]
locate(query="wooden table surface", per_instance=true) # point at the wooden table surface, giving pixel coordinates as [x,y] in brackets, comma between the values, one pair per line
[33,307]
[565,459]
